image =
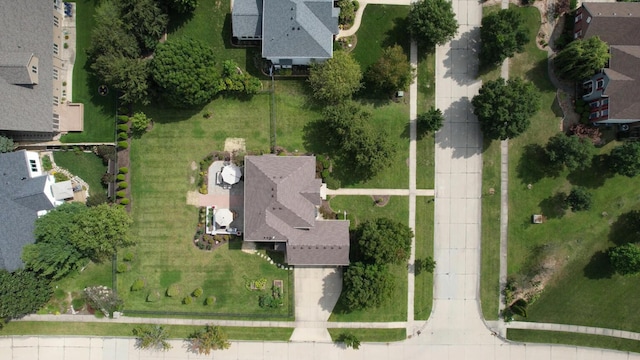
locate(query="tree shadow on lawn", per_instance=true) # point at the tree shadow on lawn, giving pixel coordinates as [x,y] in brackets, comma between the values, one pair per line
[554,207]
[106,104]
[599,267]
[593,176]
[533,165]
[538,74]
[626,229]
[398,35]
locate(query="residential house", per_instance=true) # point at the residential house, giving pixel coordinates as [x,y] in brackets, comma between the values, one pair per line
[292,32]
[26,192]
[611,94]
[34,69]
[281,200]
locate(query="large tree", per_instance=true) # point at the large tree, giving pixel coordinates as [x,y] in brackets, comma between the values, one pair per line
[502,35]
[181,6]
[392,71]
[336,79]
[129,76]
[145,20]
[625,159]
[22,293]
[625,259]
[366,285]
[582,58]
[186,72]
[432,22]
[99,231]
[153,337]
[430,121]
[384,241]
[210,338]
[504,108]
[110,35]
[579,199]
[570,151]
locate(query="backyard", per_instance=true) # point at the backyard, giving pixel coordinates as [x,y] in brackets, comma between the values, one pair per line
[87,166]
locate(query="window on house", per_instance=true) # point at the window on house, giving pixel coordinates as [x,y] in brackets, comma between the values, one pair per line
[600,84]
[56,119]
[56,21]
[33,166]
[34,69]
[594,115]
[578,17]
[588,19]
[605,101]
[55,100]
[55,74]
[594,104]
[577,34]
[604,113]
[55,49]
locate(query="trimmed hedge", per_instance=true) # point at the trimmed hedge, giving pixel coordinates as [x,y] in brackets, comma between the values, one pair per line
[187,300]
[210,300]
[123,127]
[123,144]
[137,285]
[122,185]
[121,194]
[121,177]
[197,292]
[122,136]
[122,267]
[123,170]
[123,119]
[124,201]
[173,290]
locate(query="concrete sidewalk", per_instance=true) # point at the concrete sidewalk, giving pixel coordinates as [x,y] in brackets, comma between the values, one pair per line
[383,192]
[573,329]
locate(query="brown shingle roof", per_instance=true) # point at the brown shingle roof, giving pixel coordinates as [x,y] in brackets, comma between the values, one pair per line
[281,199]
[615,23]
[624,87]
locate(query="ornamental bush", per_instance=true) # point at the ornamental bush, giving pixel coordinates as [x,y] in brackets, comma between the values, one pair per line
[123,144]
[187,300]
[122,267]
[121,194]
[123,127]
[122,136]
[153,296]
[123,185]
[123,119]
[120,177]
[210,300]
[137,285]
[124,201]
[197,292]
[123,170]
[173,290]
[128,256]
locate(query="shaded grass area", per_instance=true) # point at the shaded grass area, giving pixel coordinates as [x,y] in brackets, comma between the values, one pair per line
[87,166]
[99,111]
[588,340]
[94,274]
[425,146]
[583,291]
[360,208]
[490,267]
[295,113]
[371,335]
[114,329]
[423,296]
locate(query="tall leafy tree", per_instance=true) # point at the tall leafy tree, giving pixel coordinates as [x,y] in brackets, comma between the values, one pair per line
[625,159]
[152,337]
[145,20]
[582,58]
[210,338]
[625,259]
[6,144]
[186,72]
[367,286]
[336,79]
[392,72]
[129,76]
[110,35]
[384,241]
[579,199]
[181,6]
[429,121]
[99,231]
[502,35]
[432,22]
[22,293]
[570,151]
[504,108]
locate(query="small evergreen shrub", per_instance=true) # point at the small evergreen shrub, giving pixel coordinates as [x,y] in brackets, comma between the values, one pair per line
[122,185]
[122,267]
[123,127]
[210,300]
[121,194]
[173,290]
[123,170]
[124,201]
[137,285]
[121,177]
[123,119]
[197,292]
[128,256]
[187,300]
[123,144]
[122,136]
[519,307]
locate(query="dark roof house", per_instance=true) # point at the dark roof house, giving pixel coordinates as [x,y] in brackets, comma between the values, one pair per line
[282,196]
[293,32]
[612,93]
[25,193]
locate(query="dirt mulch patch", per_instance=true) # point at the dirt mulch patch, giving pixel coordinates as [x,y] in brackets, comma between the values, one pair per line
[380,200]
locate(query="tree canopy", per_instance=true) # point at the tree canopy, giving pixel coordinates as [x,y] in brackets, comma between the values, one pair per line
[22,293]
[430,121]
[579,199]
[129,76]
[502,35]
[181,6]
[145,20]
[186,72]
[100,230]
[110,35]
[570,151]
[152,337]
[367,285]
[233,79]
[392,71]
[6,144]
[582,58]
[432,22]
[625,259]
[336,79]
[504,108]
[384,241]
[210,338]
[625,159]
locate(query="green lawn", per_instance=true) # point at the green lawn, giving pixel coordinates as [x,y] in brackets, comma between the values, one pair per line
[115,329]
[557,337]
[361,208]
[99,111]
[426,99]
[583,290]
[423,297]
[87,166]
[371,335]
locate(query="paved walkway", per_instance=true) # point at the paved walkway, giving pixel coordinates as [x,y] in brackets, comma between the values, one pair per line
[574,329]
[383,192]
[413,114]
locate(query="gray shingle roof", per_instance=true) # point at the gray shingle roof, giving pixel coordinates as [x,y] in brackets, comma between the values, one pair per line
[13,68]
[281,199]
[616,23]
[298,28]
[21,197]
[624,85]
[27,27]
[246,18]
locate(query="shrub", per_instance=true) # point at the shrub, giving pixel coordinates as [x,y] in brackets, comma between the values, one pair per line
[123,170]
[108,178]
[137,285]
[154,295]
[187,300]
[121,194]
[78,303]
[121,177]
[332,183]
[124,201]
[106,152]
[122,136]
[123,127]
[197,292]
[60,177]
[349,340]
[519,307]
[123,144]
[122,267]
[210,300]
[579,199]
[203,189]
[46,163]
[123,185]
[96,199]
[128,256]
[123,119]
[173,290]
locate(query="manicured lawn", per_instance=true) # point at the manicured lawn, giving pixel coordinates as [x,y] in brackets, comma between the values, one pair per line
[361,208]
[423,298]
[426,99]
[294,112]
[87,166]
[115,329]
[99,111]
[583,290]
[557,337]
[371,335]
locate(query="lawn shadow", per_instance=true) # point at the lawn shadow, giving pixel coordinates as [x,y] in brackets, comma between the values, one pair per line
[554,206]
[533,165]
[398,35]
[626,228]
[106,104]
[599,267]
[170,114]
[458,112]
[177,20]
[538,74]
[315,137]
[593,176]
[460,63]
